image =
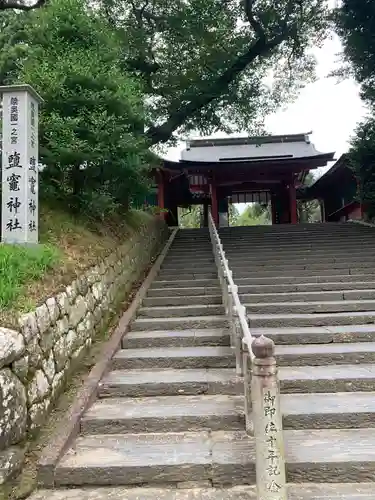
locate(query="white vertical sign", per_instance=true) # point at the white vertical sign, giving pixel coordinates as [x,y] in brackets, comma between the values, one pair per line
[19,221]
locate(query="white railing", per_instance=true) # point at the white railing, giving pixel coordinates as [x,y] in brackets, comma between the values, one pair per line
[241,335]
[255,362]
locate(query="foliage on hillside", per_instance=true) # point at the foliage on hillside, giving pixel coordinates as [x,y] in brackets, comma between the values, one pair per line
[93,111]
[201,66]
[355,22]
[68,246]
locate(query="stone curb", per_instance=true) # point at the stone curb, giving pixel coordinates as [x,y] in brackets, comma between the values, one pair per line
[69,428]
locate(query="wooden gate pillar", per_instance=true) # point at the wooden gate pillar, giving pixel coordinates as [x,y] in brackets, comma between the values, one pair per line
[214,203]
[293,203]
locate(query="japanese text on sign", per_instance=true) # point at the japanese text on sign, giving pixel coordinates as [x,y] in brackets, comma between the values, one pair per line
[271,430]
[19,211]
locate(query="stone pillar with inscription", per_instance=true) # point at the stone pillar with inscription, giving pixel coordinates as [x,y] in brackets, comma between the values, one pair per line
[267,422]
[19,221]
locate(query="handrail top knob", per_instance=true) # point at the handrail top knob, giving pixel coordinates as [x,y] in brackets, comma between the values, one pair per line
[263,347]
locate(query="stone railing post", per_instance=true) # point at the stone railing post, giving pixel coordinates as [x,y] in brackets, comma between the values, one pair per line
[267,421]
[247,367]
[237,339]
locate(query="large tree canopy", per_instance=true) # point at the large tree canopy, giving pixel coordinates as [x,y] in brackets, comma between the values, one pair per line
[119,76]
[205,64]
[92,120]
[355,21]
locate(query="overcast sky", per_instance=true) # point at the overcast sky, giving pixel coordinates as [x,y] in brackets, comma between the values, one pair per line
[329,109]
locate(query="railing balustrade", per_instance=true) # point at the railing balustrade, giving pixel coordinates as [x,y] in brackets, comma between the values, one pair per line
[255,362]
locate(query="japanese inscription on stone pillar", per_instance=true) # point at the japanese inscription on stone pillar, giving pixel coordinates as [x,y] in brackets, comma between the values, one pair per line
[275,472]
[19,222]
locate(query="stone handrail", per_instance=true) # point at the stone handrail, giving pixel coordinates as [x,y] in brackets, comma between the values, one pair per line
[240,331]
[255,361]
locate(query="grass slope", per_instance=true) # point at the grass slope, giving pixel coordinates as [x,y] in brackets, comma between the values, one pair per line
[29,275]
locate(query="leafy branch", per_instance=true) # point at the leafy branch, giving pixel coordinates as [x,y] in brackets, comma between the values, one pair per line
[192,102]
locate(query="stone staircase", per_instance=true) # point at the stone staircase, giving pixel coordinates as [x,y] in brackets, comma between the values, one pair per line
[169,421]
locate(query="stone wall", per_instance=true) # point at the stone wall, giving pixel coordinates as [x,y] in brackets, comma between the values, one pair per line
[36,361]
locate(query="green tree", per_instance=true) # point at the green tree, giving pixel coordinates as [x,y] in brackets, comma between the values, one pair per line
[255,214]
[90,124]
[308,211]
[233,214]
[190,217]
[362,159]
[207,65]
[355,24]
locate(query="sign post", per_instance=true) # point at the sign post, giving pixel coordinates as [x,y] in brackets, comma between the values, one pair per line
[20,186]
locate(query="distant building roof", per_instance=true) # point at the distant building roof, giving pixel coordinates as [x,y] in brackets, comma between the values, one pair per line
[247,149]
[337,173]
[340,165]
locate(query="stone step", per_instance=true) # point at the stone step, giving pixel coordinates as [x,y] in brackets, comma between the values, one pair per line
[185,283]
[180,357]
[298,259]
[340,491]
[327,378]
[277,289]
[347,410]
[164,414]
[318,335]
[322,319]
[307,296]
[274,254]
[189,255]
[340,410]
[223,357]
[255,267]
[167,300]
[205,249]
[201,245]
[189,265]
[203,252]
[180,311]
[181,323]
[254,250]
[173,276]
[302,280]
[275,250]
[184,292]
[326,228]
[183,338]
[296,234]
[189,268]
[293,379]
[158,382]
[331,233]
[325,354]
[330,227]
[254,262]
[301,273]
[223,458]
[333,306]
[192,237]
[191,259]
[297,237]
